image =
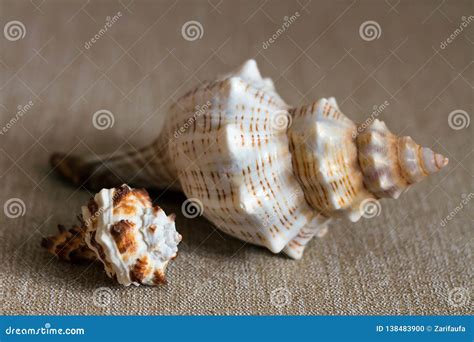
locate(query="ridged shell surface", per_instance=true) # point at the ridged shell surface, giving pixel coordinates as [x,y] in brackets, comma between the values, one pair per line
[325,159]
[134,240]
[233,156]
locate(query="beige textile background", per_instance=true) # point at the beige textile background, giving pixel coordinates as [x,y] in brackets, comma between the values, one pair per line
[405,261]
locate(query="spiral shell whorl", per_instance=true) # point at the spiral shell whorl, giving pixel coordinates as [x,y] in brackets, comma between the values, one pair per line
[338,170]
[325,160]
[417,162]
[390,164]
[378,158]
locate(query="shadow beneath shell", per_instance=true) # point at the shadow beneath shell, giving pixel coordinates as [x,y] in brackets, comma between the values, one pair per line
[200,236]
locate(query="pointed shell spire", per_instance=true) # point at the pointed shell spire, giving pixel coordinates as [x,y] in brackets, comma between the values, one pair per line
[390,164]
[339,169]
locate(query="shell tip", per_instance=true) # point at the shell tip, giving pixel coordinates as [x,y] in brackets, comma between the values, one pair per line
[441,161]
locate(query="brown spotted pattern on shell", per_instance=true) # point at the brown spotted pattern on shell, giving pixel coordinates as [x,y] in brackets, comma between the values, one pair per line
[265,172]
[120,227]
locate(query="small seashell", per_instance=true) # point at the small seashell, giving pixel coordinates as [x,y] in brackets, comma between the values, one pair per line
[265,172]
[120,227]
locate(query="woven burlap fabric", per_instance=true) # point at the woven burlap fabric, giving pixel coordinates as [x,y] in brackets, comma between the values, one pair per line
[407,260]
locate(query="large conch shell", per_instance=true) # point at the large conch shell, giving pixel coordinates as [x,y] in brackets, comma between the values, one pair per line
[119,226]
[263,171]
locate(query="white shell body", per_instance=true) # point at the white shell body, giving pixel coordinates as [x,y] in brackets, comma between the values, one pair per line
[235,159]
[134,240]
[264,172]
